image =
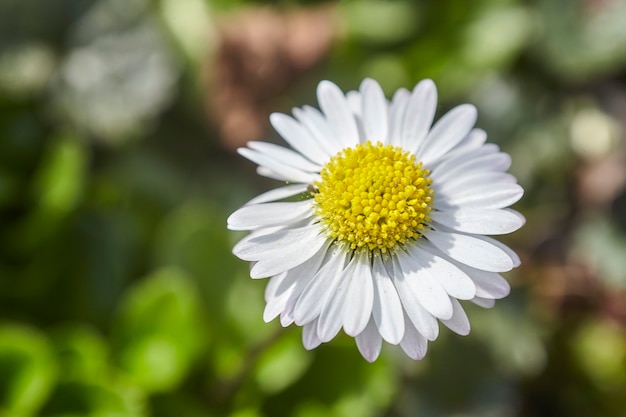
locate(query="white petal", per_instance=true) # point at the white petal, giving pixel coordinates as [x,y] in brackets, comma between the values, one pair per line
[489,284]
[369,342]
[354,101]
[285,155]
[299,138]
[416,266]
[269,214]
[279,251]
[480,221]
[484,302]
[276,295]
[318,127]
[275,286]
[413,343]
[447,132]
[268,173]
[259,245]
[361,129]
[397,111]
[453,280]
[486,196]
[387,309]
[286,317]
[283,290]
[459,323]
[419,115]
[374,113]
[487,158]
[337,111]
[287,259]
[318,288]
[423,321]
[360,298]
[309,336]
[278,193]
[258,232]
[275,307]
[489,161]
[285,171]
[473,140]
[471,251]
[283,301]
[514,257]
[455,184]
[331,316]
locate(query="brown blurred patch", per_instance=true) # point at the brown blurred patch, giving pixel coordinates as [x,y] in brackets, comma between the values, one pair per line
[600,181]
[571,289]
[564,289]
[261,52]
[563,281]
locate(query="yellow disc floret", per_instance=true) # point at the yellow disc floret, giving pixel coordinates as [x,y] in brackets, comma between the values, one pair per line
[373,196]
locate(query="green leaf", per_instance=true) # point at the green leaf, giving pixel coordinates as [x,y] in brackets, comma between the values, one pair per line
[381,22]
[282,364]
[74,399]
[27,370]
[82,353]
[194,238]
[600,348]
[58,189]
[159,333]
[60,180]
[344,384]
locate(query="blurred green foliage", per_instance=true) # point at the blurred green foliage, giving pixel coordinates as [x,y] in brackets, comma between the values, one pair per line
[118,292]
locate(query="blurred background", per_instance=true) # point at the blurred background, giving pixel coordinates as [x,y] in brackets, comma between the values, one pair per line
[119,121]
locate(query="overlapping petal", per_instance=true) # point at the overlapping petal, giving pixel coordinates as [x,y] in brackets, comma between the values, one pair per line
[269,214]
[374,112]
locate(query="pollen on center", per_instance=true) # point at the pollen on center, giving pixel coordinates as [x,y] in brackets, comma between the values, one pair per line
[373,196]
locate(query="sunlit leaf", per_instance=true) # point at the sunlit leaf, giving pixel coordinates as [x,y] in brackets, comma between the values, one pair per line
[57,189]
[193,238]
[600,348]
[62,175]
[381,21]
[82,353]
[282,364]
[27,370]
[159,332]
[94,400]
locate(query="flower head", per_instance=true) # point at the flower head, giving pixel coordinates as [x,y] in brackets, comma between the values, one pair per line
[382,225]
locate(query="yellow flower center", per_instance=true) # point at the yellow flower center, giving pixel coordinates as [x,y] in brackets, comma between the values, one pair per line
[373,197]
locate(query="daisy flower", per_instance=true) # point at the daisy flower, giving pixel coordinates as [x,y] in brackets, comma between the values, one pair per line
[381,227]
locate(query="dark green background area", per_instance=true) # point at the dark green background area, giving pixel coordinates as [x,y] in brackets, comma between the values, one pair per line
[119,295]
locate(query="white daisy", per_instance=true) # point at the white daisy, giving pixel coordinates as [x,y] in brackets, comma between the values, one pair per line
[381,228]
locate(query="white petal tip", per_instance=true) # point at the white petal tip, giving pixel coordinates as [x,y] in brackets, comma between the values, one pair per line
[370,352]
[368,82]
[520,217]
[370,357]
[426,83]
[268,316]
[462,332]
[469,109]
[312,346]
[394,339]
[325,85]
[255,273]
